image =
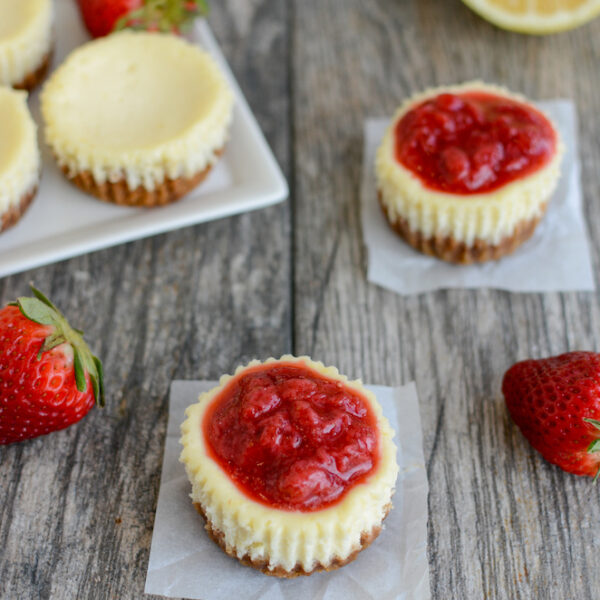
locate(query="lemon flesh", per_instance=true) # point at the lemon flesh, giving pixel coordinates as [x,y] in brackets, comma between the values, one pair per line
[536,16]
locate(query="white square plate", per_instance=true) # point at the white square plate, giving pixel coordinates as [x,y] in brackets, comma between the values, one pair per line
[63,221]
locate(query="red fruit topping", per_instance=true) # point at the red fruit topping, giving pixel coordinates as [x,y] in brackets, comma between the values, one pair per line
[259,401]
[473,142]
[449,102]
[290,437]
[489,154]
[556,404]
[311,483]
[455,164]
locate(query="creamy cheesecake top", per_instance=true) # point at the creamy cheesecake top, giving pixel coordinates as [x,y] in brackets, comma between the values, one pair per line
[138,104]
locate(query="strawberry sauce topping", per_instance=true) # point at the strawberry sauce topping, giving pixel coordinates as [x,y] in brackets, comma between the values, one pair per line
[473,142]
[291,438]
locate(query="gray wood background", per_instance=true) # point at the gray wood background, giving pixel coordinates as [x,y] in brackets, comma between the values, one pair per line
[78,506]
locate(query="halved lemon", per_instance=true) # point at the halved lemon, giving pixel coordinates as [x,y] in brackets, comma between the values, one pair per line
[536,16]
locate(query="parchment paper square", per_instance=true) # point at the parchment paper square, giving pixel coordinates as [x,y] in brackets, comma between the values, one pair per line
[556,258]
[184,562]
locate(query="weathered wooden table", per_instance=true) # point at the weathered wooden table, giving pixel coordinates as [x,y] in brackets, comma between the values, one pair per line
[78,506]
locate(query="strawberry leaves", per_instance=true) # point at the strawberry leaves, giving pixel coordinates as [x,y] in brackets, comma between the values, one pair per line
[79,371]
[42,298]
[37,311]
[53,340]
[163,15]
[595,445]
[40,310]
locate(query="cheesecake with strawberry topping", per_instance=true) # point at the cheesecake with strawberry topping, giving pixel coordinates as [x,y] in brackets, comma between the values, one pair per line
[137,118]
[25,42]
[20,161]
[292,465]
[465,172]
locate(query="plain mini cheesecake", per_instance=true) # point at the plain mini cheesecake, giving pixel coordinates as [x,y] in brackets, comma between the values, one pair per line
[137,118]
[292,465]
[25,42]
[19,156]
[465,172]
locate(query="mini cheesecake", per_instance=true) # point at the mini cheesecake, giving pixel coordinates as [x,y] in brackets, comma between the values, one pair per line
[292,466]
[137,118]
[19,156]
[25,42]
[464,173]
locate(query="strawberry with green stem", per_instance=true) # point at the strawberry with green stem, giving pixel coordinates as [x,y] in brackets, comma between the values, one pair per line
[49,379]
[101,17]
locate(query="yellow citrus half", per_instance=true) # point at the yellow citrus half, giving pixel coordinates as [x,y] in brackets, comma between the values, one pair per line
[536,16]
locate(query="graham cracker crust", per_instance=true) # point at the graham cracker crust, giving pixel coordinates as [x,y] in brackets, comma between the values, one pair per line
[263,565]
[118,192]
[34,78]
[14,213]
[451,250]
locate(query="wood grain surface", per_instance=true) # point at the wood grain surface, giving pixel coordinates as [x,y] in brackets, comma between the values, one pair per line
[78,506]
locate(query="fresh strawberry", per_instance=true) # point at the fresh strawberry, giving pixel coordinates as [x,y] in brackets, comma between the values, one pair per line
[556,404]
[101,17]
[49,379]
